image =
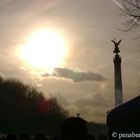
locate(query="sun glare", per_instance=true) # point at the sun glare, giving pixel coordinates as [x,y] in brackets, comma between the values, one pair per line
[44,49]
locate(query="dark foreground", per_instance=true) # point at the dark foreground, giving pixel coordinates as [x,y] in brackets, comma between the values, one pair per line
[73,128]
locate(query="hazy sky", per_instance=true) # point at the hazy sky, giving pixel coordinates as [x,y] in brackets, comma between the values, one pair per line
[85,83]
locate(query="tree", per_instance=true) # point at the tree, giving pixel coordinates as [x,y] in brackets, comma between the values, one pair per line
[24,109]
[131,8]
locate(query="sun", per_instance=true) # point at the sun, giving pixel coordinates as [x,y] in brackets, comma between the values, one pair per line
[44,49]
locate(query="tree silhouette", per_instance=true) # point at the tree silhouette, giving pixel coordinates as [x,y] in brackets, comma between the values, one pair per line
[24,109]
[131,8]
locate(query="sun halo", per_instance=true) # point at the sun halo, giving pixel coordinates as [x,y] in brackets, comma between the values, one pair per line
[44,49]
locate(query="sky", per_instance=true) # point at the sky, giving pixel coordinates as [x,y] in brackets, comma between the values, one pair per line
[85,82]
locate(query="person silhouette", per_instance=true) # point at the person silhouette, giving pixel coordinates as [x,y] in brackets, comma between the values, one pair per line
[40,136]
[74,128]
[24,136]
[91,137]
[102,137]
[11,137]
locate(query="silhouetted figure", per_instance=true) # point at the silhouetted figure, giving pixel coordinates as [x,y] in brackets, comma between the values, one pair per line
[2,138]
[24,136]
[74,128]
[116,45]
[40,136]
[57,138]
[78,115]
[102,137]
[11,137]
[91,137]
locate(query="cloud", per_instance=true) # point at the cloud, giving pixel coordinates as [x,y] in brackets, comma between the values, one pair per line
[93,107]
[4,2]
[98,100]
[61,99]
[76,76]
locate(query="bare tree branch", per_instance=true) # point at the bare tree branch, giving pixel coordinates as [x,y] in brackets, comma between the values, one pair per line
[131,8]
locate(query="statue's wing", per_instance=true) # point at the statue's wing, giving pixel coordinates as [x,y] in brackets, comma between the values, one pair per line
[119,41]
[113,41]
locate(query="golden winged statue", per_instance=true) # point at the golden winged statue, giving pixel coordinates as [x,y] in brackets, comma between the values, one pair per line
[116,45]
